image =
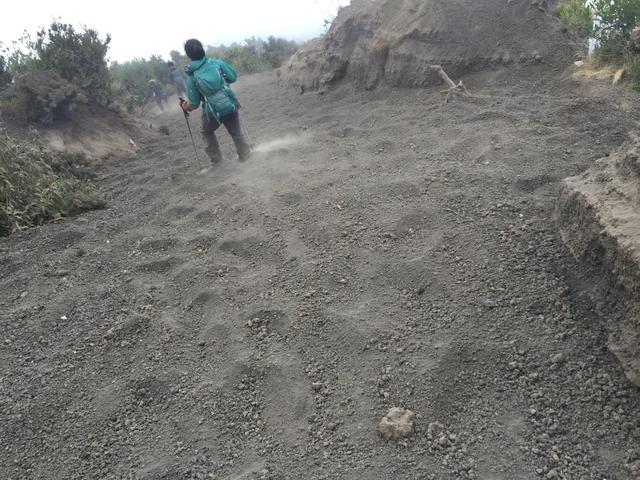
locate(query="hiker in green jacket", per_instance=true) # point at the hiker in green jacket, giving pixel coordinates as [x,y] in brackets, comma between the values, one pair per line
[208,82]
[176,78]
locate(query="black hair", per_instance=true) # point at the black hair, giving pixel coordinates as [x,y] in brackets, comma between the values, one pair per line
[194,49]
[170,64]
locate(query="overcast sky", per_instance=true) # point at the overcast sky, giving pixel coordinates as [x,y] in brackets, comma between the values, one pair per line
[143,28]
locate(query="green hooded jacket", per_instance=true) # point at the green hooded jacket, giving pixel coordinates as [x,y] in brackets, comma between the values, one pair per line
[208,81]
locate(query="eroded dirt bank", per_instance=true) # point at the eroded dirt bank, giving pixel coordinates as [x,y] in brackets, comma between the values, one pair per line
[382,249]
[599,220]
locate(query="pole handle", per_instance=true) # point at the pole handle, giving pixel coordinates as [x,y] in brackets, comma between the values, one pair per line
[181,101]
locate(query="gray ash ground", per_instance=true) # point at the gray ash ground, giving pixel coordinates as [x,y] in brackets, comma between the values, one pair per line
[257,321]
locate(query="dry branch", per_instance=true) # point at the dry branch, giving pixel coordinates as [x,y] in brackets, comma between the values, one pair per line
[455,89]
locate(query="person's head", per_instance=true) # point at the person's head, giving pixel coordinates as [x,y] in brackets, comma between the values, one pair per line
[170,64]
[194,49]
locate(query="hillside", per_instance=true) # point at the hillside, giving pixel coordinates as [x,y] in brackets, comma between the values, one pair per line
[393,42]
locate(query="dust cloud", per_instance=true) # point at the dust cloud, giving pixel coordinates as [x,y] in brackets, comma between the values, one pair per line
[281,143]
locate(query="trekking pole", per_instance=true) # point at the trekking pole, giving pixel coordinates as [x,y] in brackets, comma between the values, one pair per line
[186,117]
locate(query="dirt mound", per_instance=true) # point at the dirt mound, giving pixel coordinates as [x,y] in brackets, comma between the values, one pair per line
[395,40]
[96,133]
[600,221]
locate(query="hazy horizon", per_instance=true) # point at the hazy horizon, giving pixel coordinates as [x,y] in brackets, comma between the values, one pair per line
[141,29]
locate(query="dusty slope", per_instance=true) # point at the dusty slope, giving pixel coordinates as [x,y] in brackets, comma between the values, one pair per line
[393,41]
[392,250]
[95,132]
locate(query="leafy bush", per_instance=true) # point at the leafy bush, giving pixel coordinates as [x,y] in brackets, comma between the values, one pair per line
[615,20]
[610,22]
[244,60]
[632,66]
[37,185]
[615,24]
[61,68]
[278,50]
[5,76]
[255,55]
[577,14]
[40,97]
[78,57]
[179,59]
[634,41]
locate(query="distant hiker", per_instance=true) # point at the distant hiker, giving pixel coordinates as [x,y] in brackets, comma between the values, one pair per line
[177,78]
[157,92]
[208,82]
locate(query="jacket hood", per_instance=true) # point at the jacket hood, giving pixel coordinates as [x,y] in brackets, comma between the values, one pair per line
[195,65]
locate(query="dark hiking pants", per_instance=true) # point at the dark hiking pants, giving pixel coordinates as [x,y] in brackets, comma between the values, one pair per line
[233,126]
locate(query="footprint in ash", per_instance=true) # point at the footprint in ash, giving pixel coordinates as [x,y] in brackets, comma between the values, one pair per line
[161,266]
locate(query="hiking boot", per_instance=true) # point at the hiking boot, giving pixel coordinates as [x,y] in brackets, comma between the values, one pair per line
[244,157]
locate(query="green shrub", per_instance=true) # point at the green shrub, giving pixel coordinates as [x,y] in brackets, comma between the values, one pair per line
[610,22]
[255,55]
[278,50]
[577,14]
[5,76]
[52,73]
[37,185]
[245,61]
[40,97]
[632,66]
[78,57]
[180,60]
[614,21]
[44,79]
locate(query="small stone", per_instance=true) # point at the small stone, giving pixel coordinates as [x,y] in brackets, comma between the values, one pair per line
[23,294]
[443,441]
[558,358]
[397,424]
[434,429]
[317,386]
